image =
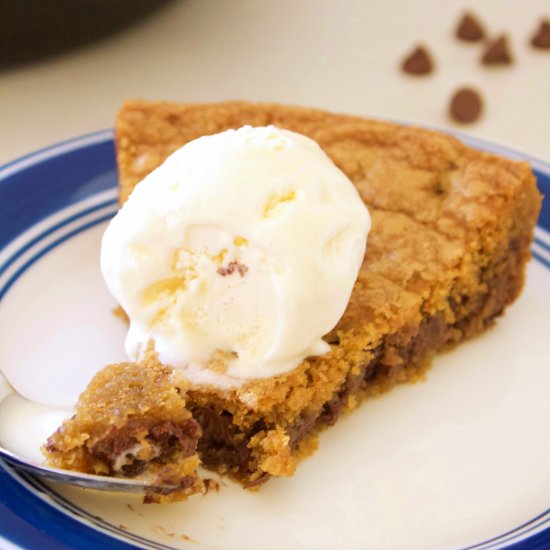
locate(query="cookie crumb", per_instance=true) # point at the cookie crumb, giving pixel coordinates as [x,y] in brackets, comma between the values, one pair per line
[210,485]
[130,507]
[466,105]
[418,62]
[497,52]
[120,314]
[159,529]
[469,29]
[541,38]
[233,266]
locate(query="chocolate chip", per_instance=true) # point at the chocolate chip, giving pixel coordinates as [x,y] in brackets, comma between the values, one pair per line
[418,62]
[497,52]
[466,105]
[233,266]
[469,29]
[541,39]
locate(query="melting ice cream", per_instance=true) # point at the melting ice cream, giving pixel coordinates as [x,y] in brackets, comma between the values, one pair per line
[237,254]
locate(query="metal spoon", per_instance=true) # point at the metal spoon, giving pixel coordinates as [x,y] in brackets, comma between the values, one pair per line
[89,481]
[79,479]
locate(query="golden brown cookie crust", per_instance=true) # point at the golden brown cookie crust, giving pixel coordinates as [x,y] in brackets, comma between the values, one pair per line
[451,230]
[131,421]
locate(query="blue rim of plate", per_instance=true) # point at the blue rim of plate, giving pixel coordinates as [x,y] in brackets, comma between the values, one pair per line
[73,185]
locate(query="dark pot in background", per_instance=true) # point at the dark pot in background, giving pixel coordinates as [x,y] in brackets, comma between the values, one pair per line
[35,29]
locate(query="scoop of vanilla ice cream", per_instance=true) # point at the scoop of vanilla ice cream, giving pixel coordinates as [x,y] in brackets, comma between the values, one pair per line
[237,255]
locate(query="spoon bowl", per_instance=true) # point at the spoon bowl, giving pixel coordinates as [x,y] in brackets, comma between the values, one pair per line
[25,413]
[87,481]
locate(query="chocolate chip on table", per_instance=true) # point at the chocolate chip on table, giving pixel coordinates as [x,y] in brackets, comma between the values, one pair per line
[541,39]
[469,29]
[418,62]
[466,105]
[497,52]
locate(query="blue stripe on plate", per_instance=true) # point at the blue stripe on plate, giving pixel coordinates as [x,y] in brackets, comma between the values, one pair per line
[47,249]
[542,244]
[515,533]
[537,257]
[100,522]
[56,149]
[543,181]
[31,194]
[27,520]
[51,230]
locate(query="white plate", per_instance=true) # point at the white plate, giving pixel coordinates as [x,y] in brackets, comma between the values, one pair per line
[460,460]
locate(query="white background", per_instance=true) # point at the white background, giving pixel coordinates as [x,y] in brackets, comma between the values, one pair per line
[340,55]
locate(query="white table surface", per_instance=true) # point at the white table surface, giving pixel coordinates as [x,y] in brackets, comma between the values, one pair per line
[339,55]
